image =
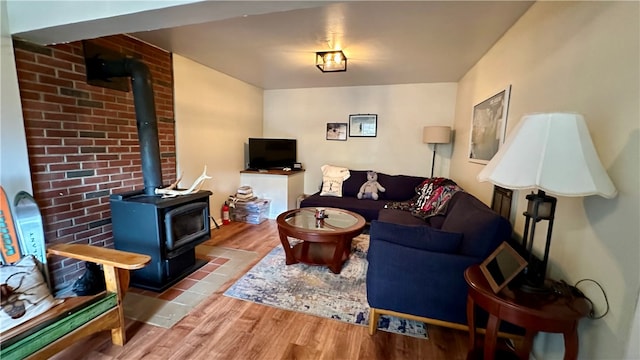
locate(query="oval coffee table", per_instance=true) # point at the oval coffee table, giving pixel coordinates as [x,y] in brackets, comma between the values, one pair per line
[324,242]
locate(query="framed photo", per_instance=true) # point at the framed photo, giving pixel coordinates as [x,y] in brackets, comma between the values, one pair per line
[502,266]
[363,125]
[488,126]
[337,131]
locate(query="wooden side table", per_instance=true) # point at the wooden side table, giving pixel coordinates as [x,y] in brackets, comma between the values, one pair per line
[535,312]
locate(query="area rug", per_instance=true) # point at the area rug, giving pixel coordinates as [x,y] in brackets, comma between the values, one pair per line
[167,308]
[317,291]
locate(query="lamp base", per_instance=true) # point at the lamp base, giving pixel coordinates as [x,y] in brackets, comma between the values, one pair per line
[536,289]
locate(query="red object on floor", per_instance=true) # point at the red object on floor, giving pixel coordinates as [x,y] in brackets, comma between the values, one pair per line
[225,214]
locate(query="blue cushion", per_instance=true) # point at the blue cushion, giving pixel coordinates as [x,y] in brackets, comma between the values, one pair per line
[399,187]
[367,208]
[417,237]
[351,186]
[482,228]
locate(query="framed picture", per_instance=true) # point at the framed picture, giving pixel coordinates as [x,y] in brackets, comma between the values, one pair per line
[488,126]
[502,266]
[336,131]
[363,125]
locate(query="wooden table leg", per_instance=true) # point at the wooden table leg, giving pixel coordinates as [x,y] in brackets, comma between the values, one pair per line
[338,254]
[471,321]
[288,252]
[571,343]
[527,343]
[491,337]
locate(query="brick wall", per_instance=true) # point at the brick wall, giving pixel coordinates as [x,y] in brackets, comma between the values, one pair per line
[83,142]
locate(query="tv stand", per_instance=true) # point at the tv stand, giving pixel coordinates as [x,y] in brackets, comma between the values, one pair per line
[282,187]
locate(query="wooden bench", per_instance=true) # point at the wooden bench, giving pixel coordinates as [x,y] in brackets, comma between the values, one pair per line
[77,317]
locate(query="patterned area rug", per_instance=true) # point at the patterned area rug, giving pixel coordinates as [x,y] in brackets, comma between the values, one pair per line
[317,291]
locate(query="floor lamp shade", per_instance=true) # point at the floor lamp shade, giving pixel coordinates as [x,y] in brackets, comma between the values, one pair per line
[436,135]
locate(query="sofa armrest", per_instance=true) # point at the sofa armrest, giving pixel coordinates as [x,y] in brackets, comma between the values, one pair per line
[116,263]
[417,282]
[104,256]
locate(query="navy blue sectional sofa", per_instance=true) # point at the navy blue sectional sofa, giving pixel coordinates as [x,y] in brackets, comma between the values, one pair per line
[418,270]
[416,266]
[398,188]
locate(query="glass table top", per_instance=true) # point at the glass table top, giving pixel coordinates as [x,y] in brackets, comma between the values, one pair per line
[335,219]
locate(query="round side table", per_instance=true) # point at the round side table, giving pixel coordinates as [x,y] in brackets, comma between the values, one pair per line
[534,312]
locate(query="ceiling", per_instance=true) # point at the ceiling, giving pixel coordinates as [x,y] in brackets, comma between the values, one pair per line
[384,42]
[272,44]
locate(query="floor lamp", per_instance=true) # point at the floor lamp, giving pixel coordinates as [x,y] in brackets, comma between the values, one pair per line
[436,135]
[551,153]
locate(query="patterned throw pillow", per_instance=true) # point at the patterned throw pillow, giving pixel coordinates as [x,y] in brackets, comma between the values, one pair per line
[332,178]
[25,294]
[331,186]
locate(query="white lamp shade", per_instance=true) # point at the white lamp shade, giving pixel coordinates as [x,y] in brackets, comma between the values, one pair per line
[436,135]
[552,152]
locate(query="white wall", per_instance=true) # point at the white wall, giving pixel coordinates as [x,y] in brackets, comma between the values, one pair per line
[582,57]
[403,110]
[215,115]
[14,160]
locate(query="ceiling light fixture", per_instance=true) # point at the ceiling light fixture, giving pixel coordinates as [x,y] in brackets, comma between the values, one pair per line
[331,61]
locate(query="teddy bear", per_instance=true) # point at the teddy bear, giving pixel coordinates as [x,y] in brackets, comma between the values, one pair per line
[369,190]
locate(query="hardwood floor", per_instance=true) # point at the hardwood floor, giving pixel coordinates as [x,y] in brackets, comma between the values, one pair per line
[226,328]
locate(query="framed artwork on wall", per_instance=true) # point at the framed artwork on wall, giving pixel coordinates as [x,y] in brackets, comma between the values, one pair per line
[337,131]
[488,126]
[363,125]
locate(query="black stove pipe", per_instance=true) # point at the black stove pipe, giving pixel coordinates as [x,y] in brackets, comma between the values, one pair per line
[143,99]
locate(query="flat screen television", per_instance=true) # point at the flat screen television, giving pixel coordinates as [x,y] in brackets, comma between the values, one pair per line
[271,153]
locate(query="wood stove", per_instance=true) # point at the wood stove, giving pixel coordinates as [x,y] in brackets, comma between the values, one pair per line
[167,229]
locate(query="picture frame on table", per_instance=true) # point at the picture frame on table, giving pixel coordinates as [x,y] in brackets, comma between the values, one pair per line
[488,126]
[502,266]
[363,125]
[337,131]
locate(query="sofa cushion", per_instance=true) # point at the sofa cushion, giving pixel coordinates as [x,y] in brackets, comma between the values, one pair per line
[398,187]
[351,186]
[401,217]
[418,237]
[367,208]
[482,228]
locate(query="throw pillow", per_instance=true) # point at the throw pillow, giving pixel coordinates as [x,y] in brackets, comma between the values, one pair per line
[331,186]
[332,178]
[335,171]
[25,294]
[417,237]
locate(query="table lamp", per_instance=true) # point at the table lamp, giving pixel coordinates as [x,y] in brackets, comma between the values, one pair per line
[551,153]
[436,135]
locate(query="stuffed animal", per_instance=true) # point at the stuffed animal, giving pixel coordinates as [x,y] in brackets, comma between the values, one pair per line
[369,190]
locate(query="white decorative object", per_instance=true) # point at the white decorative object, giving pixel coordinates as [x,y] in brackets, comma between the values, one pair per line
[195,187]
[551,152]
